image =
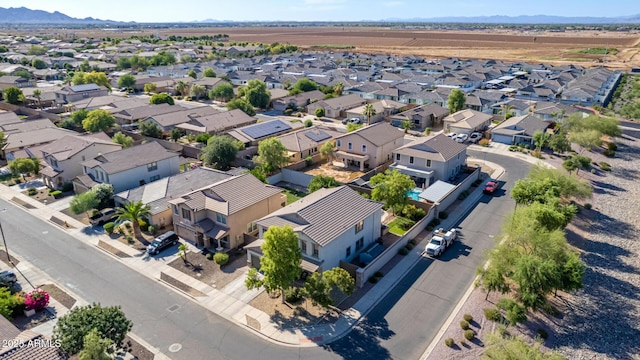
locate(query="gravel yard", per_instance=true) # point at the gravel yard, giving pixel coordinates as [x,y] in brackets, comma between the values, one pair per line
[601,321]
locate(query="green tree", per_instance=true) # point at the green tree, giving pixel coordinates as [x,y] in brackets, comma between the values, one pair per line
[110,323]
[208,72]
[161,99]
[540,138]
[353,127]
[122,139]
[369,112]
[392,187]
[322,181]
[193,74]
[456,100]
[39,64]
[198,91]
[85,66]
[38,95]
[338,89]
[13,95]
[223,91]
[127,81]
[303,85]
[124,63]
[149,128]
[220,152]
[586,139]
[559,142]
[37,50]
[243,105]
[406,125]
[94,347]
[84,202]
[272,154]
[134,212]
[326,150]
[570,164]
[22,166]
[98,120]
[150,88]
[604,125]
[176,134]
[319,112]
[280,262]
[182,88]
[98,78]
[78,116]
[104,194]
[78,78]
[318,286]
[8,302]
[256,93]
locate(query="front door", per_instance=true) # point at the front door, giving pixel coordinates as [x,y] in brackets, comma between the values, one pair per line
[199,240]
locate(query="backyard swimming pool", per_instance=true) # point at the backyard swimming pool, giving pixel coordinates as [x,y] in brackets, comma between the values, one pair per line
[413,194]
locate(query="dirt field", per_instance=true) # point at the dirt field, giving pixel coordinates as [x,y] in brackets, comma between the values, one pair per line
[509,45]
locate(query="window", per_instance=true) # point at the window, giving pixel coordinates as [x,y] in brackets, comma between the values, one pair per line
[410,159]
[54,162]
[359,226]
[303,246]
[349,146]
[251,227]
[221,218]
[428,163]
[397,157]
[154,178]
[175,210]
[364,148]
[359,244]
[316,250]
[338,143]
[152,167]
[458,156]
[348,251]
[186,214]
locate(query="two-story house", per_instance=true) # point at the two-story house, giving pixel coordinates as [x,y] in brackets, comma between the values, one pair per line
[63,156]
[421,117]
[220,214]
[331,224]
[427,160]
[337,107]
[70,94]
[368,147]
[128,168]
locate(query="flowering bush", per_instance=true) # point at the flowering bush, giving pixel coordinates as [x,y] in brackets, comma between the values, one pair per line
[36,300]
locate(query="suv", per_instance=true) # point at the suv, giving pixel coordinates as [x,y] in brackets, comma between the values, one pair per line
[162,242]
[7,278]
[102,216]
[475,137]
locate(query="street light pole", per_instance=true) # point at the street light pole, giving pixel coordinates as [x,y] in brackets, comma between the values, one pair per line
[6,249]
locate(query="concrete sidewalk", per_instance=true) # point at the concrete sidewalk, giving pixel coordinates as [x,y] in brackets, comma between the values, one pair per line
[231,302]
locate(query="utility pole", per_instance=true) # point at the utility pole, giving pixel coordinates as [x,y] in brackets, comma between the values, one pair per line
[6,249]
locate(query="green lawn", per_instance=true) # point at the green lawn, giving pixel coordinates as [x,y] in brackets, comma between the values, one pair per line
[400,225]
[293,196]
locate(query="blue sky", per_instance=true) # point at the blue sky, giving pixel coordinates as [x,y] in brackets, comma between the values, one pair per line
[319,10]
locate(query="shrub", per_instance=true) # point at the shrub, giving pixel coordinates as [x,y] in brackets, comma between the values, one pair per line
[308,160]
[9,302]
[413,213]
[36,300]
[605,166]
[593,171]
[413,242]
[408,247]
[292,294]
[527,146]
[129,239]
[288,111]
[56,193]
[32,191]
[67,187]
[144,226]
[464,325]
[469,334]
[449,342]
[484,142]
[378,274]
[609,153]
[612,146]
[308,123]
[221,258]
[209,256]
[492,314]
[543,333]
[505,304]
[550,309]
[403,251]
[468,317]
[443,215]
[152,230]
[108,227]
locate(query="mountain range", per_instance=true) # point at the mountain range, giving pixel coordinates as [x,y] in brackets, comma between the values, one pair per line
[24,15]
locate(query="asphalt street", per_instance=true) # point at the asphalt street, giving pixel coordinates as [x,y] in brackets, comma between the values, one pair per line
[400,326]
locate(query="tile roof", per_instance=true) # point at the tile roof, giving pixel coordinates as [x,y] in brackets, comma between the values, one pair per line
[218,122]
[438,147]
[325,214]
[378,134]
[69,145]
[307,138]
[130,158]
[39,136]
[526,125]
[467,118]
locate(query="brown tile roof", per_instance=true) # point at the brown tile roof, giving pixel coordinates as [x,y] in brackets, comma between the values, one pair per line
[379,134]
[130,158]
[69,145]
[439,147]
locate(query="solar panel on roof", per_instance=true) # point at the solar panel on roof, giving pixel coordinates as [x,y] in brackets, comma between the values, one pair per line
[317,136]
[84,87]
[266,129]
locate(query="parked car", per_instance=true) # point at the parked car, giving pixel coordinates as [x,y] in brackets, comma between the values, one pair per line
[162,242]
[7,278]
[440,241]
[490,187]
[355,121]
[475,137]
[102,216]
[461,138]
[452,135]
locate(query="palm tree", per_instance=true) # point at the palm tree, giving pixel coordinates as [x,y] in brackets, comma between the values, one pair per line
[37,94]
[369,111]
[134,212]
[182,88]
[506,109]
[406,125]
[326,150]
[338,89]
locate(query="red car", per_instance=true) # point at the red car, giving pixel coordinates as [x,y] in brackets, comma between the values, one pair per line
[490,187]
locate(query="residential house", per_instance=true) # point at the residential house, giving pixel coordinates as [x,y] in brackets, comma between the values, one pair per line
[550,111]
[7,81]
[22,144]
[157,194]
[428,160]
[135,114]
[64,156]
[518,130]
[306,142]
[337,107]
[421,117]
[168,121]
[297,101]
[368,147]
[218,215]
[128,168]
[26,344]
[383,108]
[71,94]
[332,225]
[217,123]
[250,135]
[516,107]
[467,121]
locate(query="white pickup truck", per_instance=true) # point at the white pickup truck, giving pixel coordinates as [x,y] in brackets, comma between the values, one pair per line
[440,241]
